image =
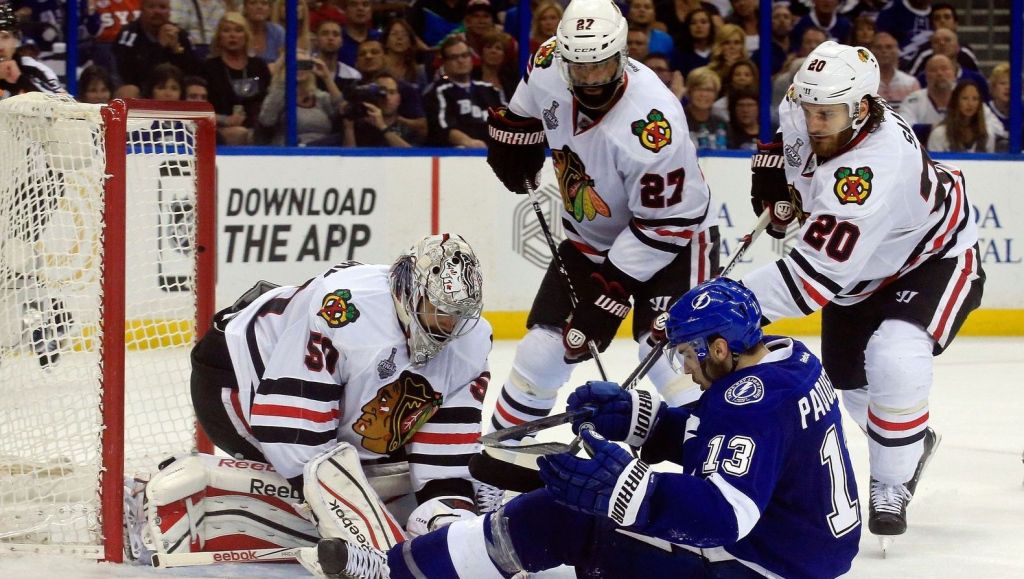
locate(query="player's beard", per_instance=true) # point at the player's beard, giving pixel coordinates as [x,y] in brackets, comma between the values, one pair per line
[827,147]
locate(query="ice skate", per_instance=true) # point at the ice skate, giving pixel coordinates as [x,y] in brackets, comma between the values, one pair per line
[931,444]
[340,559]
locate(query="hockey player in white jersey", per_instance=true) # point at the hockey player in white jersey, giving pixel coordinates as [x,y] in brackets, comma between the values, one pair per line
[362,372]
[887,248]
[636,209]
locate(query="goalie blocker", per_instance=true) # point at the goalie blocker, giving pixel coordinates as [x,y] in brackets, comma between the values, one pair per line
[204,503]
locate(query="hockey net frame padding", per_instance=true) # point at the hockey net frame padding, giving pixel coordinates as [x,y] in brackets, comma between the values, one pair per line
[107,272]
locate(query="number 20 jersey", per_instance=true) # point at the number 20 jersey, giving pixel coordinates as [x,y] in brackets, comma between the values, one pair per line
[630,184]
[878,209]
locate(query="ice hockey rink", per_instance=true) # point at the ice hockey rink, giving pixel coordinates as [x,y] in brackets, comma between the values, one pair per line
[967,519]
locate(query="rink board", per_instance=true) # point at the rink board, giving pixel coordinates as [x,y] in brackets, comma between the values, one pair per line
[286,218]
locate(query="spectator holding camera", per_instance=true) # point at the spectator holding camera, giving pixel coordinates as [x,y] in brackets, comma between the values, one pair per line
[456,105]
[372,119]
[151,40]
[316,110]
[237,82]
[369,62]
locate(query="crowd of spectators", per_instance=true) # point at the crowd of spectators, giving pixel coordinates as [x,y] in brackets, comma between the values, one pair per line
[380,73]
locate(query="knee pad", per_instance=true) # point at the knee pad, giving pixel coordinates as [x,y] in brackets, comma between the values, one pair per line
[898,365]
[203,502]
[539,368]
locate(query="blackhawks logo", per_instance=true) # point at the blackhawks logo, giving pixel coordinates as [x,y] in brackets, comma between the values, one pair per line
[337,308]
[853,186]
[578,194]
[863,55]
[545,54]
[654,132]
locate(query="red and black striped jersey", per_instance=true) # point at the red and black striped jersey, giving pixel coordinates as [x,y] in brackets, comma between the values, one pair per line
[327,361]
[876,210]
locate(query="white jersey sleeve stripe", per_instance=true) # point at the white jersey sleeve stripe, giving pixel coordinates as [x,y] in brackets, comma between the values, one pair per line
[746,511]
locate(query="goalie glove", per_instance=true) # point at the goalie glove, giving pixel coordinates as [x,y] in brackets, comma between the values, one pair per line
[769,189]
[611,484]
[602,307]
[623,415]
[439,512]
[515,148]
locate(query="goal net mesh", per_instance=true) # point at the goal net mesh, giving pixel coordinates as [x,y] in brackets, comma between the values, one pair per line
[53,275]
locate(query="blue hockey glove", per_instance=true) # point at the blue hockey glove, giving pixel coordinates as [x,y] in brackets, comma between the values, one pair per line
[611,484]
[620,415]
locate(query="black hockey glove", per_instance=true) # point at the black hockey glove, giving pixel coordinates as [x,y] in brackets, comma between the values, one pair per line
[769,189]
[602,307]
[515,148]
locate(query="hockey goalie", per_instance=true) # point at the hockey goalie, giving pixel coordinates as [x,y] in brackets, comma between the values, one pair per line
[348,406]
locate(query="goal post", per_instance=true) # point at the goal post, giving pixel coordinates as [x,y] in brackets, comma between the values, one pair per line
[107,271]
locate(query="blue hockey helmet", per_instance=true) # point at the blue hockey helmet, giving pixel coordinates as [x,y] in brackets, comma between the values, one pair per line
[720,307]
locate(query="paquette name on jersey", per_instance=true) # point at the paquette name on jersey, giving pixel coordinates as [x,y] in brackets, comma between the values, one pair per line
[818,402]
[337,308]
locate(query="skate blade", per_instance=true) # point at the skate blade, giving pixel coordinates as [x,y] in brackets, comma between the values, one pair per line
[885,542]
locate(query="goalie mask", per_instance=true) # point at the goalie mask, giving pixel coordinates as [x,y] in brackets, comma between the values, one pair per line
[438,293]
[592,50]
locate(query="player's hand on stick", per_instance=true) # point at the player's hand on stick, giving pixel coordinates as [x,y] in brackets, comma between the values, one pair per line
[769,189]
[515,148]
[593,486]
[439,512]
[623,415]
[602,307]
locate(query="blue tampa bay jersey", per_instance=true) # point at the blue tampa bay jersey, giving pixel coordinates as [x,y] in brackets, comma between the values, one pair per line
[772,480]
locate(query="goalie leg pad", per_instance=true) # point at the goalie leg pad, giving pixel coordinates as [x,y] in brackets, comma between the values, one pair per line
[343,502]
[203,502]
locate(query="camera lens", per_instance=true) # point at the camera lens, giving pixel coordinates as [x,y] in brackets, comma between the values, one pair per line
[305,65]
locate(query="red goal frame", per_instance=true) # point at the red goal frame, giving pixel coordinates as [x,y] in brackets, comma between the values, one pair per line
[115,116]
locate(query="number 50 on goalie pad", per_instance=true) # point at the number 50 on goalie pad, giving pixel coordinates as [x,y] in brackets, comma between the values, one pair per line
[343,503]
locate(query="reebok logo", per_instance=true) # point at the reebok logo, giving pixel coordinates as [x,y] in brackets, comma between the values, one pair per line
[341,515]
[626,492]
[285,491]
[234,556]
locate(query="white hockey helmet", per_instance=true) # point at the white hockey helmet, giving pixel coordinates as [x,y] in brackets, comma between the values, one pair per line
[444,271]
[592,47]
[835,73]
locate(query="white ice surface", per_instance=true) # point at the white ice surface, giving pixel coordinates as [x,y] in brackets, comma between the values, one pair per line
[967,519]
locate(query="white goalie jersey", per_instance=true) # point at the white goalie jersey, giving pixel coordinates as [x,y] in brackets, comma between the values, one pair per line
[876,211]
[631,188]
[327,361]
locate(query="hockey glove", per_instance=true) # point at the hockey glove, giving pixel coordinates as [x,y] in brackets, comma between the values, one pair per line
[602,307]
[769,189]
[439,512]
[515,148]
[611,484]
[620,415]
[659,334]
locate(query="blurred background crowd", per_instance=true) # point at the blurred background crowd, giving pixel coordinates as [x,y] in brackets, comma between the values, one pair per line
[394,73]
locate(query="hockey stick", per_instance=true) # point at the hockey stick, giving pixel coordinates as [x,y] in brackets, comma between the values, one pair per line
[573,300]
[528,428]
[280,555]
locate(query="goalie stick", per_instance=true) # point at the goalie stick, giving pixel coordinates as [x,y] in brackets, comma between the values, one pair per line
[279,555]
[532,427]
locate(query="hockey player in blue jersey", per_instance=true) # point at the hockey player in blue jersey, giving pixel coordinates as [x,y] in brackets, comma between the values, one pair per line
[766,488]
